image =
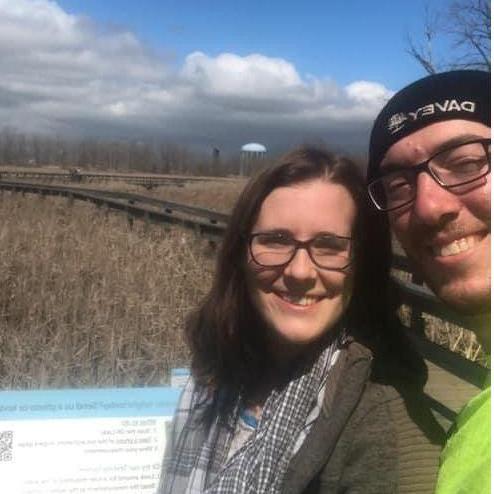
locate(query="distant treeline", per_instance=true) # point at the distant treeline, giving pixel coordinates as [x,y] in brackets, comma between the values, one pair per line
[18,149]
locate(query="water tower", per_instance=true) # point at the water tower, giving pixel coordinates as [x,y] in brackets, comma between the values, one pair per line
[249,153]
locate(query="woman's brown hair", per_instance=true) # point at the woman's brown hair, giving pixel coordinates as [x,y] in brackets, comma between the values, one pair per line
[226,335]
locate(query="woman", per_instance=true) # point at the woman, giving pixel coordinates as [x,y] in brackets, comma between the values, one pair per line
[294,387]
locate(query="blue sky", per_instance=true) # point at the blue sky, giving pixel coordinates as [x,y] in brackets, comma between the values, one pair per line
[345,40]
[206,73]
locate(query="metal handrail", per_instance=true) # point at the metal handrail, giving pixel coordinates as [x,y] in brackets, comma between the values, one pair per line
[81,176]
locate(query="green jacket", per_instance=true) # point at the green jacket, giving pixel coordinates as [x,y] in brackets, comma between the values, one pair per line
[466,458]
[375,432]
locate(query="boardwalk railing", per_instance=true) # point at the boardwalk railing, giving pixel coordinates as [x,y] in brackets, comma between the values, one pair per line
[78,176]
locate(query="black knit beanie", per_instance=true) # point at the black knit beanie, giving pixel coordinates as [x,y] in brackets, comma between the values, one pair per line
[459,94]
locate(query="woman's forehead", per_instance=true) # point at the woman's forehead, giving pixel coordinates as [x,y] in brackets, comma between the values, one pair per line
[308,206]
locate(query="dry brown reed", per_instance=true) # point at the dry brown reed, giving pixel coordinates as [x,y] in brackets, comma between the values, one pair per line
[88,301]
[446,334]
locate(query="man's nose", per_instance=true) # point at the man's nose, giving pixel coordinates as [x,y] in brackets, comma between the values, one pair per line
[434,205]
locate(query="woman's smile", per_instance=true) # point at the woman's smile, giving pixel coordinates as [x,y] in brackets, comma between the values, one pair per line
[298,300]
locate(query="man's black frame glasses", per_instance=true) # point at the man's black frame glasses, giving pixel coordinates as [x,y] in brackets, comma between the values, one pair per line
[425,167]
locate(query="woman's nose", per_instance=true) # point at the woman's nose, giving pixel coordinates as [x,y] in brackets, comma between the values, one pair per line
[301,267]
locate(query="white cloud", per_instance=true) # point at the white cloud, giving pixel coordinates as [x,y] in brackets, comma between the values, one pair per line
[234,75]
[368,92]
[64,73]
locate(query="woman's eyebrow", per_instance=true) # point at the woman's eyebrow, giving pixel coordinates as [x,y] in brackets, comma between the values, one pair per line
[328,233]
[288,233]
[283,231]
[331,234]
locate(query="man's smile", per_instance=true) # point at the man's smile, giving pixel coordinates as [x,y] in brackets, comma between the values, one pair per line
[457,246]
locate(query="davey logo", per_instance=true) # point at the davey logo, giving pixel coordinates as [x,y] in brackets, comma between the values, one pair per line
[397,121]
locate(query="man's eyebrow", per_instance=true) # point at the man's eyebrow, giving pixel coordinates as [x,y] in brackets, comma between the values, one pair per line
[458,140]
[389,167]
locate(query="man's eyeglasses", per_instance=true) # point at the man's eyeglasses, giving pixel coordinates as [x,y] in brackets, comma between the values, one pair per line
[276,249]
[458,165]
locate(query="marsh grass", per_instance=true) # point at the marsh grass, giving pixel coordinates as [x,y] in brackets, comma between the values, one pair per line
[446,334]
[88,301]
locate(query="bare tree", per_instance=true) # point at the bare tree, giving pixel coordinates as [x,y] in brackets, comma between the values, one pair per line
[422,51]
[465,28]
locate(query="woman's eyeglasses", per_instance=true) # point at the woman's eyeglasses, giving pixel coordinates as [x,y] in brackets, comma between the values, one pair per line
[276,249]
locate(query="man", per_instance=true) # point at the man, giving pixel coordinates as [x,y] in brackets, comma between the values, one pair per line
[429,169]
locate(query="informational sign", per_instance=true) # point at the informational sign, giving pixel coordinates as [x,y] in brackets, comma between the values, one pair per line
[179,377]
[84,441]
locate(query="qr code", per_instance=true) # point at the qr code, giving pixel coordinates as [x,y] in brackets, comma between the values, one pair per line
[6,440]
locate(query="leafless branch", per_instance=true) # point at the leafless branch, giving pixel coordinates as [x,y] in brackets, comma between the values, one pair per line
[466,26]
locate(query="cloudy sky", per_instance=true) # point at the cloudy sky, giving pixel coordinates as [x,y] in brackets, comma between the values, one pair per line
[205,73]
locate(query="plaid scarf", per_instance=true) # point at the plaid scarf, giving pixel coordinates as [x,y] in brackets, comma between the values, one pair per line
[197,460]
